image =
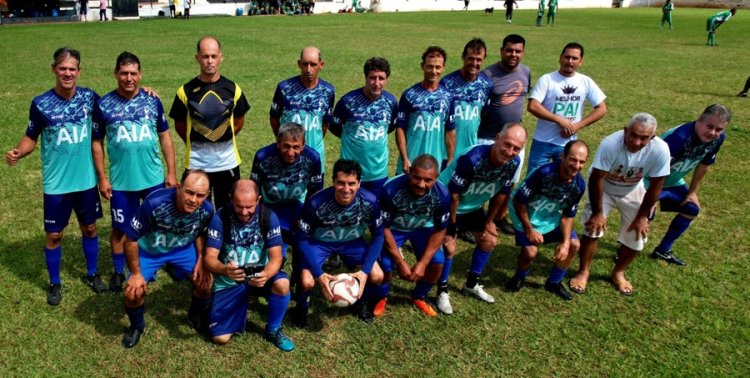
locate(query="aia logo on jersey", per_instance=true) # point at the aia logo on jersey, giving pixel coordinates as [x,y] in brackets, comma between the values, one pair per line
[136,224]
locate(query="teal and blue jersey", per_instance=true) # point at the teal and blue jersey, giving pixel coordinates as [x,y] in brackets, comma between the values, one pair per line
[241,242]
[283,183]
[405,211]
[469,98]
[159,227]
[311,108]
[547,198]
[687,151]
[475,179]
[425,117]
[65,127]
[363,126]
[132,128]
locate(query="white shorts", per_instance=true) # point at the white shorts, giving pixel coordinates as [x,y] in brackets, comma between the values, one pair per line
[517,175]
[628,207]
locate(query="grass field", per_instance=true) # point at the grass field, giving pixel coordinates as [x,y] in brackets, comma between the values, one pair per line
[692,321]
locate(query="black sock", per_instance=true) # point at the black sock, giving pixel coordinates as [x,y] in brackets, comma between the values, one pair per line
[472,279]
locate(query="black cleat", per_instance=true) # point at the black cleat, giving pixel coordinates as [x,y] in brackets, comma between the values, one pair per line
[467,236]
[116,281]
[558,289]
[364,312]
[505,227]
[742,94]
[299,316]
[198,322]
[132,337]
[667,256]
[96,284]
[515,284]
[54,294]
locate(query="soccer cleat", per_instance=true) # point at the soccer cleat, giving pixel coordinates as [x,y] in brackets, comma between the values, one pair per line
[279,339]
[424,306]
[132,337]
[95,283]
[467,236]
[116,281]
[478,292]
[668,256]
[505,227]
[558,289]
[54,294]
[742,94]
[444,303]
[515,284]
[198,322]
[363,311]
[299,316]
[379,308]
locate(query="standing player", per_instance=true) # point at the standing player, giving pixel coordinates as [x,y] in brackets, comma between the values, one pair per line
[484,173]
[424,115]
[557,100]
[363,118]
[692,147]
[623,159]
[470,89]
[243,251]
[666,14]
[713,23]
[508,4]
[306,100]
[539,13]
[552,12]
[544,208]
[167,229]
[415,207]
[132,121]
[63,118]
[208,113]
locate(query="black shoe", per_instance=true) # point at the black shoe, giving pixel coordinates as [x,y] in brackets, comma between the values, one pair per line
[198,322]
[54,294]
[505,227]
[299,316]
[363,311]
[667,256]
[558,289]
[467,236]
[96,284]
[132,337]
[742,94]
[116,281]
[515,284]
[332,263]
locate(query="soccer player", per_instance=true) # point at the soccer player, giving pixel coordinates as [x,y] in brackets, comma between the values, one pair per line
[557,100]
[553,11]
[508,4]
[693,148]
[62,116]
[167,229]
[623,159]
[666,14]
[132,121]
[209,112]
[416,208]
[424,115]
[471,90]
[306,100]
[334,220]
[243,251]
[713,23]
[539,13]
[483,173]
[544,208]
[363,118]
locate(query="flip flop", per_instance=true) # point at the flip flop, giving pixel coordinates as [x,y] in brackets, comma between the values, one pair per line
[577,286]
[624,287]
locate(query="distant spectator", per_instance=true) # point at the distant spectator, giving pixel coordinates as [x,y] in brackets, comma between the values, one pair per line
[84,10]
[186,12]
[103,10]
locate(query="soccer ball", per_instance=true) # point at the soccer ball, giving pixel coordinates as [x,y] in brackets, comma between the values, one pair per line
[345,290]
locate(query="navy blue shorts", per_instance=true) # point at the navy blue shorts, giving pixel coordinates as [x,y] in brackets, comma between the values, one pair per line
[58,207]
[671,198]
[550,237]
[124,204]
[418,239]
[352,253]
[473,221]
[374,186]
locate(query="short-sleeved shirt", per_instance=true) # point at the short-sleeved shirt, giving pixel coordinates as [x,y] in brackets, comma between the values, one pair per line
[66,128]
[563,96]
[159,227]
[687,151]
[281,182]
[405,211]
[363,126]
[241,242]
[324,220]
[469,97]
[132,128]
[476,180]
[311,108]
[425,116]
[626,170]
[547,198]
[507,98]
[209,109]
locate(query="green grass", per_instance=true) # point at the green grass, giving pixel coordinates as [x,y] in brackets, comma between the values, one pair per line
[681,321]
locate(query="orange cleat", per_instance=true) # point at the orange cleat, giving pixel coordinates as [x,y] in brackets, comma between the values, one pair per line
[379,309]
[425,307]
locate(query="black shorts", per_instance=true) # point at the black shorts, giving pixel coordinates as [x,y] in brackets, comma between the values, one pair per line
[473,221]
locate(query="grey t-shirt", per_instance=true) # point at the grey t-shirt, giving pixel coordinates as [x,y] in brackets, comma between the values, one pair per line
[507,99]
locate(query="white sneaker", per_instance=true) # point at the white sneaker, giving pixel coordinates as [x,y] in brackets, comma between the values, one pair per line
[444,303]
[478,292]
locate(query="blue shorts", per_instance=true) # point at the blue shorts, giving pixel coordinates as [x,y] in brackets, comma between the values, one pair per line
[374,186]
[352,253]
[124,204]
[671,198]
[418,239]
[229,306]
[550,237]
[57,209]
[473,221]
[542,153]
[287,212]
[183,260]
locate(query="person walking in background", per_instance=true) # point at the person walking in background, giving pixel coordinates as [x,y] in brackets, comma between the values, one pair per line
[666,14]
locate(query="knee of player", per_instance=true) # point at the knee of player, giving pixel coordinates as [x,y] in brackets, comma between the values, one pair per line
[89,230]
[575,245]
[53,238]
[488,243]
[530,252]
[375,276]
[280,287]
[307,281]
[221,339]
[690,210]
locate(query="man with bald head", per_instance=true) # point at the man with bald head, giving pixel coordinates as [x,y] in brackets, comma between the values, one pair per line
[208,113]
[305,99]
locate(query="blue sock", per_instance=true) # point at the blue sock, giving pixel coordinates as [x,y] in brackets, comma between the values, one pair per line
[301,297]
[446,270]
[556,275]
[678,226]
[53,258]
[135,315]
[383,290]
[91,251]
[277,305]
[118,260]
[421,290]
[522,273]
[479,260]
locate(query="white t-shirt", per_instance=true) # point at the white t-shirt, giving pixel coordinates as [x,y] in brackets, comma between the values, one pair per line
[563,96]
[626,170]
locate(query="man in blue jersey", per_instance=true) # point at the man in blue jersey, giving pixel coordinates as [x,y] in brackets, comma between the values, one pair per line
[167,229]
[131,121]
[543,211]
[483,173]
[62,116]
[425,115]
[243,251]
[306,100]
[693,148]
[416,208]
[363,118]
[334,221]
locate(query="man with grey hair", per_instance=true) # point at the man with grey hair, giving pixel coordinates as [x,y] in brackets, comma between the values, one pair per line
[622,161]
